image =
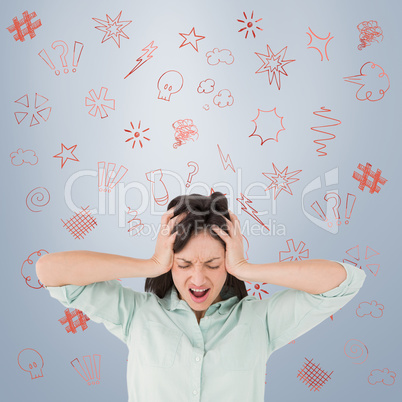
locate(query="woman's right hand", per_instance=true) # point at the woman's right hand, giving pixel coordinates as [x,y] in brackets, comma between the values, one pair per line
[164,255]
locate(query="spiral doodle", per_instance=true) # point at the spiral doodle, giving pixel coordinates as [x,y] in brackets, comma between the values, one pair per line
[352,350]
[37,199]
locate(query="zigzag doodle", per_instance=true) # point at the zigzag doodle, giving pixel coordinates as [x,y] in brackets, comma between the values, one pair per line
[317,113]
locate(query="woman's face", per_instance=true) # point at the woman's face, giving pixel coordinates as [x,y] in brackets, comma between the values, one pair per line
[201,265]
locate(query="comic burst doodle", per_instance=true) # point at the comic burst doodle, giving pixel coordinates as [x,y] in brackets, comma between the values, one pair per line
[372,76]
[313,376]
[356,349]
[31,361]
[249,209]
[112,28]
[191,38]
[137,134]
[224,160]
[29,27]
[224,98]
[331,136]
[39,102]
[80,224]
[281,180]
[135,224]
[91,368]
[249,24]
[28,268]
[99,103]
[216,56]
[78,46]
[72,325]
[107,177]
[20,157]
[384,376]
[318,43]
[66,154]
[293,253]
[184,131]
[37,198]
[169,83]
[270,120]
[369,31]
[273,64]
[365,181]
[354,252]
[141,60]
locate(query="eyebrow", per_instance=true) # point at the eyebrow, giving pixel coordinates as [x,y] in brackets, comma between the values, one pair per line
[189,262]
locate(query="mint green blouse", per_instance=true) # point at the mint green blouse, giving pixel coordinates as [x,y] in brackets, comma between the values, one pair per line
[173,358]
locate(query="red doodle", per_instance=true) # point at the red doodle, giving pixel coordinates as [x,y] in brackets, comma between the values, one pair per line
[20,157]
[313,376]
[185,130]
[257,289]
[249,209]
[78,47]
[37,198]
[194,171]
[270,120]
[317,129]
[373,77]
[169,83]
[384,376]
[206,86]
[356,350]
[137,135]
[249,24]
[365,181]
[318,43]
[42,113]
[292,253]
[158,188]
[99,103]
[72,325]
[112,28]
[281,180]
[273,64]
[217,56]
[80,224]
[224,98]
[135,223]
[372,309]
[192,39]
[91,368]
[29,27]
[28,268]
[354,252]
[369,31]
[31,361]
[66,154]
[224,160]
[107,177]
[141,60]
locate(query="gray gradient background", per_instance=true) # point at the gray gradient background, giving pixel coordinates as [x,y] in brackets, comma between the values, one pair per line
[368,133]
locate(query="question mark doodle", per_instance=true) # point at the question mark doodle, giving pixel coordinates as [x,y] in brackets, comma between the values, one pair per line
[63,55]
[193,173]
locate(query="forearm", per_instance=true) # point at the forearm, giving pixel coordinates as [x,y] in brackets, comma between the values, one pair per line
[83,267]
[311,276]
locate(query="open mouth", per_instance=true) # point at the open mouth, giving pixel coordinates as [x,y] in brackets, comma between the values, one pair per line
[199,296]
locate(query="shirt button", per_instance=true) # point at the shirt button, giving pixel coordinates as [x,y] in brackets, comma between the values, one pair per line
[197,359]
[195,392]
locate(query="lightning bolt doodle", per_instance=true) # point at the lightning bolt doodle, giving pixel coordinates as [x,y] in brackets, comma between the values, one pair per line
[224,160]
[246,208]
[332,136]
[147,49]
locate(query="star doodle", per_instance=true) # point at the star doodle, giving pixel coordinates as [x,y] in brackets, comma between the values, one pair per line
[191,38]
[281,180]
[65,154]
[112,28]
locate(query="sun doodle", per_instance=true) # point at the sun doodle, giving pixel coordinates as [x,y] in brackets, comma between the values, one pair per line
[136,134]
[249,24]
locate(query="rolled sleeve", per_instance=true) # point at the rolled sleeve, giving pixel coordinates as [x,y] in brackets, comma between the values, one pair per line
[105,302]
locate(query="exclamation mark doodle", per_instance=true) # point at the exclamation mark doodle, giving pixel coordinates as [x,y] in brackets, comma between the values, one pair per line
[78,46]
[348,211]
[44,56]
[322,214]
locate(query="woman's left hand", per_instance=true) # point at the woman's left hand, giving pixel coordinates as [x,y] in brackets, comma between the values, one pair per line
[234,258]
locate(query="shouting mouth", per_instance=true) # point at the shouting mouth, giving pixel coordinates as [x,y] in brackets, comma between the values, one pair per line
[198,296]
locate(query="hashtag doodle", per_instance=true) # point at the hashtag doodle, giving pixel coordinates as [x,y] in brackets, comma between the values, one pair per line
[81,320]
[28,30]
[364,178]
[80,223]
[313,376]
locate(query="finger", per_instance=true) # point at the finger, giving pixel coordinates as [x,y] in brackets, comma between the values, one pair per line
[219,231]
[166,216]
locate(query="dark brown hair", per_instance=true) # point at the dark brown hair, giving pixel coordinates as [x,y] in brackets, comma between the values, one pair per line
[203,211]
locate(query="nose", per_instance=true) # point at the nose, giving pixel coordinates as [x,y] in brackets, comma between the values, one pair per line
[198,276]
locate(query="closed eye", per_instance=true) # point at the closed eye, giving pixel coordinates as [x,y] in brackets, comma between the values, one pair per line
[181,266]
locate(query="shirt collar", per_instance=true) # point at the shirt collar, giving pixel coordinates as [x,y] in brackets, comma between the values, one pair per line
[172,302]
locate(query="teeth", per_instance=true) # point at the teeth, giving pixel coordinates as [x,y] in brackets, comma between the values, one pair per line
[197,290]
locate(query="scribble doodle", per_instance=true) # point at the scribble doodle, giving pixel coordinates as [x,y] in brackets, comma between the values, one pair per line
[191,39]
[317,129]
[364,178]
[91,369]
[224,160]
[137,134]
[28,268]
[271,119]
[184,131]
[281,180]
[274,65]
[169,83]
[72,325]
[313,376]
[107,177]
[293,253]
[149,49]
[216,56]
[99,103]
[112,28]
[318,43]
[369,32]
[80,224]
[66,154]
[31,361]
[246,207]
[39,102]
[356,350]
[224,98]
[249,24]
[29,27]
[37,198]
[20,157]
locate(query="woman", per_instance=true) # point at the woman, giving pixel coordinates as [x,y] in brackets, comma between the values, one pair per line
[195,334]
